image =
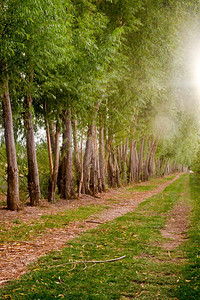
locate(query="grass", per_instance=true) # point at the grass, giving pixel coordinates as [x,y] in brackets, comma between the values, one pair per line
[23,231]
[189,284]
[150,185]
[147,272]
[142,188]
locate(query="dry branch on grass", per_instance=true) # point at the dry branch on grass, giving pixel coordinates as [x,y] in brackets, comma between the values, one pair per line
[90,261]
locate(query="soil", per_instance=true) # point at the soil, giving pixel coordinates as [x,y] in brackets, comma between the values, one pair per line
[176,227]
[16,256]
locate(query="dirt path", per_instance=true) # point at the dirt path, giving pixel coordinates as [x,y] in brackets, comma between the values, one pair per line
[16,256]
[176,226]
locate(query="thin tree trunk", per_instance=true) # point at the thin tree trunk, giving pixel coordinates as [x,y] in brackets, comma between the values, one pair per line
[88,158]
[95,167]
[76,154]
[52,132]
[140,161]
[49,148]
[117,172]
[101,155]
[33,175]
[147,161]
[69,183]
[13,202]
[89,150]
[54,176]
[81,179]
[61,171]
[111,172]
[124,159]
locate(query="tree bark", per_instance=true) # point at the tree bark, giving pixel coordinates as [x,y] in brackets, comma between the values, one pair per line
[33,175]
[13,202]
[49,147]
[133,162]
[88,158]
[101,155]
[52,132]
[94,175]
[81,164]
[111,173]
[147,161]
[69,183]
[77,163]
[89,152]
[140,160]
[54,175]
[124,160]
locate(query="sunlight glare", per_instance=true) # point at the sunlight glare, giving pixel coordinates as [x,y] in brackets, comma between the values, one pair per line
[195,68]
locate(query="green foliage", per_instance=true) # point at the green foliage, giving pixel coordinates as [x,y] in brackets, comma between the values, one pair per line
[128,57]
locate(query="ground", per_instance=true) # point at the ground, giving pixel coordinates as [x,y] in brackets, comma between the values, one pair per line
[16,256]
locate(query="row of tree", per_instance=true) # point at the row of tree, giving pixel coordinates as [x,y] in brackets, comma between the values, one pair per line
[99,76]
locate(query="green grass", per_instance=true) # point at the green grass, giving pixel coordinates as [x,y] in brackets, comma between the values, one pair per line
[189,284]
[150,185]
[23,231]
[147,272]
[142,188]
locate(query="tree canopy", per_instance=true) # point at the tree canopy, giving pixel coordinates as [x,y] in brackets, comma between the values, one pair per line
[124,67]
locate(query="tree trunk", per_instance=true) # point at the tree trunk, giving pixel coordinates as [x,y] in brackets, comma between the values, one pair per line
[13,202]
[152,168]
[52,132]
[69,182]
[89,152]
[117,171]
[123,162]
[77,163]
[54,175]
[88,158]
[49,147]
[33,175]
[140,161]
[81,179]
[94,176]
[133,163]
[147,161]
[111,174]
[101,155]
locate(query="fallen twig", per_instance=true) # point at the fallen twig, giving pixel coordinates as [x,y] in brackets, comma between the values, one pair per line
[3,281]
[90,261]
[97,222]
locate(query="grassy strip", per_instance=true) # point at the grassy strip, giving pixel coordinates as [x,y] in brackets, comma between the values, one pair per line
[189,284]
[150,185]
[147,272]
[23,231]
